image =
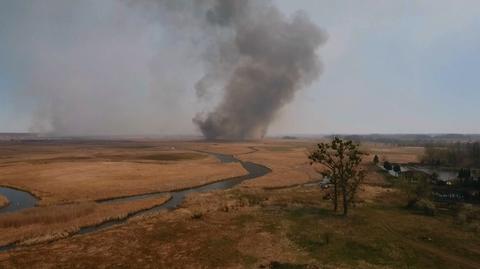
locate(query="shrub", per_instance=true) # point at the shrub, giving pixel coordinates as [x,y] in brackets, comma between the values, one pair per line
[387,165]
[397,168]
[416,189]
[466,213]
[197,215]
[426,206]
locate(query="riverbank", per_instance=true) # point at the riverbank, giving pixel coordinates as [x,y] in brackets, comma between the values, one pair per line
[18,199]
[78,171]
[46,224]
[36,216]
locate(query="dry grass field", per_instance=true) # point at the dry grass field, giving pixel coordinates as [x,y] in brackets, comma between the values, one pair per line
[290,166]
[272,221]
[256,228]
[3,201]
[287,159]
[65,173]
[44,224]
[61,173]
[394,154]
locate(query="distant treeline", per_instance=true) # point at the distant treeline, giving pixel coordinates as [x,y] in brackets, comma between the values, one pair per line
[413,139]
[453,154]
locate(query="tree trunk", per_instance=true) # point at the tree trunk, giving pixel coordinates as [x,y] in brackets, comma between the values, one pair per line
[345,199]
[335,197]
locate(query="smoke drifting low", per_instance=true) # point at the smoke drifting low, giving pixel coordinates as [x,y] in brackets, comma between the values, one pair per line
[124,66]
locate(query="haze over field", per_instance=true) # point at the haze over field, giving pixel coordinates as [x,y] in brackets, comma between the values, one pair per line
[239,69]
[239,134]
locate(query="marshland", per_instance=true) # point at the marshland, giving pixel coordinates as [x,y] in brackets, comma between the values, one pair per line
[279,216]
[239,134]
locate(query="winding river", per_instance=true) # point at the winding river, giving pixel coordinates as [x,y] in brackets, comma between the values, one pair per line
[21,200]
[18,200]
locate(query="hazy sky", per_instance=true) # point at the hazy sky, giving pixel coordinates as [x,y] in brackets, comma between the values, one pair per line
[389,67]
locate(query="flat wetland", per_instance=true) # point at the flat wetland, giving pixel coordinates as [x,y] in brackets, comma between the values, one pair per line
[66,173]
[273,221]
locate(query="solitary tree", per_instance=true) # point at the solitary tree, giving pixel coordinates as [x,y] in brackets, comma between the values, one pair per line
[376,160]
[341,160]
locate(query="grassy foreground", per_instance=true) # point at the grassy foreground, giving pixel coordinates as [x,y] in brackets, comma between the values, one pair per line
[252,228]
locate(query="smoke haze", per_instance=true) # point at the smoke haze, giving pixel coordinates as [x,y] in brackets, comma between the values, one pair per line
[129,67]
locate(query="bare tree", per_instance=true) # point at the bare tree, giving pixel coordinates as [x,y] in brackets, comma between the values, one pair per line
[341,160]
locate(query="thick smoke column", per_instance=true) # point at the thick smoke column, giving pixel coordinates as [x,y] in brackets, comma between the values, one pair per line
[255,57]
[275,57]
[129,66]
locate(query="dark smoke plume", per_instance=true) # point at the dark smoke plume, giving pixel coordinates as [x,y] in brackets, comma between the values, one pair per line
[126,66]
[276,57]
[257,57]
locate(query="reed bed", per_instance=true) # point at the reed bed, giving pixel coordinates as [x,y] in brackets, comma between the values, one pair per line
[44,224]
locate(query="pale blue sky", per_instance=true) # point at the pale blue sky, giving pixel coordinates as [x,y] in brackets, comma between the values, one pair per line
[389,67]
[403,66]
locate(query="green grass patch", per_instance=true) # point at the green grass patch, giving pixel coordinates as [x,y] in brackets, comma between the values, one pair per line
[221,252]
[309,212]
[166,232]
[244,219]
[384,233]
[333,239]
[351,251]
[306,229]
[249,261]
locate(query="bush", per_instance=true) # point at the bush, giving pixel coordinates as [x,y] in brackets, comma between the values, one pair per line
[466,213]
[416,189]
[197,215]
[427,207]
[387,165]
[397,168]
[461,218]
